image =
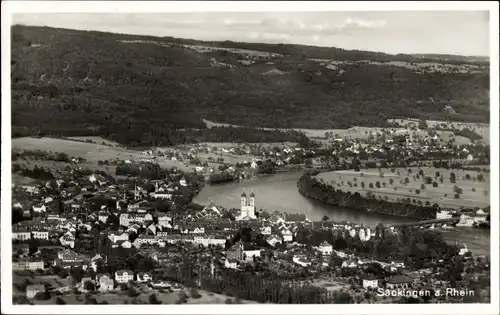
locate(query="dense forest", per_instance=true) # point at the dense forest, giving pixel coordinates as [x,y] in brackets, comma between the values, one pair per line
[68,82]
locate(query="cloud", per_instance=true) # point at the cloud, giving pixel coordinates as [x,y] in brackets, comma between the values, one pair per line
[358,24]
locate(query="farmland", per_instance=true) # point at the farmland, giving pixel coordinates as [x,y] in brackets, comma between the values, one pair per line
[407,183]
[90,151]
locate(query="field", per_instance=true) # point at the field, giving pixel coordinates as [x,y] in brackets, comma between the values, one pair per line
[474,193]
[118,297]
[91,152]
[357,132]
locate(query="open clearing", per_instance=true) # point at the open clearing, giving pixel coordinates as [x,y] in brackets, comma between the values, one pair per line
[443,195]
[91,152]
[356,132]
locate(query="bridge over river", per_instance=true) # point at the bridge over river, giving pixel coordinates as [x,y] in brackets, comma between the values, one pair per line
[427,222]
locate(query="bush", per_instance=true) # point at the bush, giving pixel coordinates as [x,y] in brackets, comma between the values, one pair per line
[153,299]
[434,184]
[457,196]
[473,189]
[60,301]
[229,301]
[417,191]
[195,294]
[422,186]
[370,185]
[132,292]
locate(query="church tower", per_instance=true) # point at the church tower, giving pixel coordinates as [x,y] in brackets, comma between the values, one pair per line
[243,199]
[252,199]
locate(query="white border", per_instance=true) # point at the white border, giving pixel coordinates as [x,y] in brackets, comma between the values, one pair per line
[10,7]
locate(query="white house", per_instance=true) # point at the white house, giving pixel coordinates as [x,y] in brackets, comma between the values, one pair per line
[349,264]
[325,248]
[299,260]
[67,240]
[273,240]
[40,235]
[39,209]
[287,235]
[183,182]
[266,230]
[144,277]
[250,254]
[231,263]
[370,283]
[124,276]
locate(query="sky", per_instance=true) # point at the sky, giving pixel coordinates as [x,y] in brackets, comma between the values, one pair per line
[442,32]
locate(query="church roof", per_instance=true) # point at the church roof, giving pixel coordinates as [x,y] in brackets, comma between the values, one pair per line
[252,194]
[243,194]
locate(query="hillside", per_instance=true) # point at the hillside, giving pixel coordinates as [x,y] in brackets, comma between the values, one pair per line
[137,88]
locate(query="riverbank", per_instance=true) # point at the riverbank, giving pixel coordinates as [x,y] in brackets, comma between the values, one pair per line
[312,188]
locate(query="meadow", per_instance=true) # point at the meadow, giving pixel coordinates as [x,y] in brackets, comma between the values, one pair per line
[407,183]
[90,151]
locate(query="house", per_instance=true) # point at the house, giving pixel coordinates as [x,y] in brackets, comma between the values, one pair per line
[295,217]
[40,234]
[115,238]
[250,254]
[103,216]
[164,220]
[33,289]
[106,284]
[27,264]
[265,230]
[287,235]
[302,261]
[236,252]
[144,277]
[463,249]
[231,263]
[273,240]
[398,282]
[39,209]
[325,248]
[67,240]
[124,276]
[370,282]
[349,264]
[21,233]
[183,182]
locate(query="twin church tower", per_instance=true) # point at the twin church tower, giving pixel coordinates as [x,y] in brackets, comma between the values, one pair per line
[247,207]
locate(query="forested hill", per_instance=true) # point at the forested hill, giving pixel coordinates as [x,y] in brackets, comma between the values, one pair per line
[68,82]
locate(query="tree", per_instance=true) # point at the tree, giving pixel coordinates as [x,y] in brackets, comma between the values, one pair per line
[89,286]
[391,181]
[325,218]
[370,185]
[452,178]
[153,299]
[377,184]
[422,186]
[60,301]
[434,184]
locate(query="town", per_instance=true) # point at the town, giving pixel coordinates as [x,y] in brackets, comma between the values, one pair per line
[87,236]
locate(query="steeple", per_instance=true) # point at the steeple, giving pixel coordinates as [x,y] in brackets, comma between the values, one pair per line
[243,194]
[252,194]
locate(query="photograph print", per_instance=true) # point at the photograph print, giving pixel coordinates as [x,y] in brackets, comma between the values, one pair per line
[250,157]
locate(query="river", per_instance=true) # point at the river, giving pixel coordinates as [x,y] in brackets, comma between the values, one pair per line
[279,192]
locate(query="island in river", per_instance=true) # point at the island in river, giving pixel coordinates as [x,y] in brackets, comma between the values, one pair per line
[279,192]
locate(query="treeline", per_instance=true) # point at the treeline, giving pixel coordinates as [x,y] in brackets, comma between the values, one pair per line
[35,173]
[150,91]
[311,188]
[253,287]
[45,156]
[222,177]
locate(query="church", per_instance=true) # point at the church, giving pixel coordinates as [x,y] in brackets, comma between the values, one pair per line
[247,207]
